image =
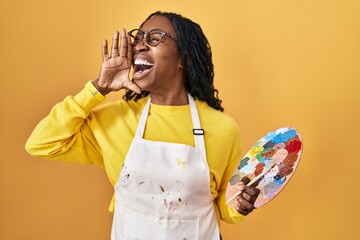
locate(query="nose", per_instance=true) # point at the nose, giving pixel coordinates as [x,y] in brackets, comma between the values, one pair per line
[141,46]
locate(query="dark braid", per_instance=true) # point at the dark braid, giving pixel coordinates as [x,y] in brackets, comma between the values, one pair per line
[195,52]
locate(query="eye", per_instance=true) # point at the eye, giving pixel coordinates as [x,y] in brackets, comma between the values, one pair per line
[155,37]
[137,37]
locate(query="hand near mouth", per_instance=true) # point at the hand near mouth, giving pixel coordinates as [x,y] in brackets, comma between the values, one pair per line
[114,74]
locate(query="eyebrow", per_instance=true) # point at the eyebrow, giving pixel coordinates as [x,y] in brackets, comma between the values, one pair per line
[154,29]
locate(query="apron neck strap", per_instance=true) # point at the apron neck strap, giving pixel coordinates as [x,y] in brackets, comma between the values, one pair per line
[142,121]
[198,132]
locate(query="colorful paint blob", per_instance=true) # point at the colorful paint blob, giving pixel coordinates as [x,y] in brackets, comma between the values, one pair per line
[275,158]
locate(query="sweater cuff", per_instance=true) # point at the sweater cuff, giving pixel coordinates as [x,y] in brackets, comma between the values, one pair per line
[87,98]
[94,91]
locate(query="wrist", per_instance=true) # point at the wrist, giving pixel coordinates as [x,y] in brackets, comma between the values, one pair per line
[94,91]
[101,90]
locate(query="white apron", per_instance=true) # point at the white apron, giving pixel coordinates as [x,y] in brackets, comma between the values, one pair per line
[163,192]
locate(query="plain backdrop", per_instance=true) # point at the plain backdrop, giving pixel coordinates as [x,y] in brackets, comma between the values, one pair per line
[277,63]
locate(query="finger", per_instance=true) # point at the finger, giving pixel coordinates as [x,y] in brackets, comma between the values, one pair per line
[244,204]
[105,52]
[248,197]
[245,180]
[253,191]
[123,44]
[257,182]
[115,45]
[130,49]
[240,186]
[242,210]
[131,86]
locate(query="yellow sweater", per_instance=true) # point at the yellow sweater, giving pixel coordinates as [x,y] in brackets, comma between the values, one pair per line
[78,129]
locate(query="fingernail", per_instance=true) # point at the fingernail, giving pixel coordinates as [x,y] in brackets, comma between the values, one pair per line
[241,187]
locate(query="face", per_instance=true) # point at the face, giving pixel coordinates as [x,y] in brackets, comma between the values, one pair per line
[158,69]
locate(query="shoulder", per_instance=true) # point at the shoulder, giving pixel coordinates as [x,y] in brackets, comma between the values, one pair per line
[217,122]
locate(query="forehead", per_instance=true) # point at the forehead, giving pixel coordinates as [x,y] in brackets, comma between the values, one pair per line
[159,22]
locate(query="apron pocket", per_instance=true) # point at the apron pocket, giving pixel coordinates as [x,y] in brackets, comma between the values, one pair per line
[178,229]
[126,177]
[140,227]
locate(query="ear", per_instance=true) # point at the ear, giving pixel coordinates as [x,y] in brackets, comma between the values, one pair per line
[180,65]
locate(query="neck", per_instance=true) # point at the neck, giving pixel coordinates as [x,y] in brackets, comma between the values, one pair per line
[176,97]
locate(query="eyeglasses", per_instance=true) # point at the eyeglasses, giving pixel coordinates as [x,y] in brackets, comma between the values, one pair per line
[152,38]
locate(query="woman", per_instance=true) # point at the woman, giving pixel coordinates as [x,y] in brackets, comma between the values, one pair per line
[167,147]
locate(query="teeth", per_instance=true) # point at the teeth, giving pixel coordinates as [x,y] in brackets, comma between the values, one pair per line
[143,62]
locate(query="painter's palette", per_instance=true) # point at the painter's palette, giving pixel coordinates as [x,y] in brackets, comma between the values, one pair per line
[275,156]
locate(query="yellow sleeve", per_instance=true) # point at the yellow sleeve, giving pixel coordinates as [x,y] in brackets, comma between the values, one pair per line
[227,213]
[66,134]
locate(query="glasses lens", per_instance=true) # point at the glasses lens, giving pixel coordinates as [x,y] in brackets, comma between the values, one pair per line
[137,36]
[154,38]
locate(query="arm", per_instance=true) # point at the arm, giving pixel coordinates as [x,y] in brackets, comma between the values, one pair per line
[66,133]
[227,213]
[246,199]
[243,204]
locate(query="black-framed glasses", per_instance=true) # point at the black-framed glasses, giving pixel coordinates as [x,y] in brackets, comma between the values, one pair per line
[152,38]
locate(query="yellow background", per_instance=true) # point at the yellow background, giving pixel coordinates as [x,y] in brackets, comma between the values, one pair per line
[277,63]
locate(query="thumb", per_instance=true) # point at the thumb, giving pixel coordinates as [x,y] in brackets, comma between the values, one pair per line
[245,180]
[131,86]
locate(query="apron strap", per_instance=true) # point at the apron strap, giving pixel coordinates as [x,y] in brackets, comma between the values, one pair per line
[197,131]
[142,121]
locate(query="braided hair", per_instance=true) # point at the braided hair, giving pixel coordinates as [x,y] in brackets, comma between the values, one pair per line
[196,55]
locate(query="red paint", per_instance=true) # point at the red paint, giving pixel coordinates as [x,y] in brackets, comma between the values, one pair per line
[259,168]
[293,147]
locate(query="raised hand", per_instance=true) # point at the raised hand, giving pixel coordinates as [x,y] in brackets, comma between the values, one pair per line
[115,69]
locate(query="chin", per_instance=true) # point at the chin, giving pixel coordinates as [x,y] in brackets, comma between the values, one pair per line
[142,84]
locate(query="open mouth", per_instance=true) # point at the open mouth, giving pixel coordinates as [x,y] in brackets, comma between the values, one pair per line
[141,66]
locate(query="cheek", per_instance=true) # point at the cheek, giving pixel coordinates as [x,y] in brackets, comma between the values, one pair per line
[168,53]
[171,57]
